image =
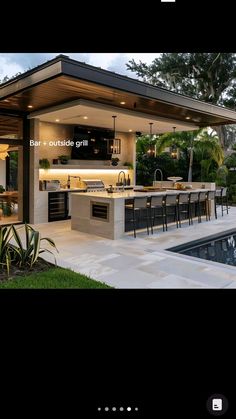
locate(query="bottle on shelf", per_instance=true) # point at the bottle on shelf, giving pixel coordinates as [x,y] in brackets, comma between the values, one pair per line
[128,181]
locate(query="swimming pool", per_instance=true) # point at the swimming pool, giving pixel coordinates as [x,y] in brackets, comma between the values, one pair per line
[219,248]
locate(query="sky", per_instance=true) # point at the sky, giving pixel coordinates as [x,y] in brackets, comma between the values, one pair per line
[12,63]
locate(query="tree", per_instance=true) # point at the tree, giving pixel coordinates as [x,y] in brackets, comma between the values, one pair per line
[199,144]
[6,78]
[183,140]
[210,77]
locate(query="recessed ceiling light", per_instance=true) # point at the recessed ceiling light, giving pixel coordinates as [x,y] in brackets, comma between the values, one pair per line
[187,117]
[30,106]
[85,117]
[57,120]
[122,103]
[130,130]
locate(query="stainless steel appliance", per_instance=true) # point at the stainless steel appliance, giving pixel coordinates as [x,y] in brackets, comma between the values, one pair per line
[49,185]
[93,185]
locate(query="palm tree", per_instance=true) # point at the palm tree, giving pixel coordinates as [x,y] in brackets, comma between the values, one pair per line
[183,140]
[206,150]
[200,143]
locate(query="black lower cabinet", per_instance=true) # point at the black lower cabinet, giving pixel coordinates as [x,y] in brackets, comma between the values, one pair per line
[57,206]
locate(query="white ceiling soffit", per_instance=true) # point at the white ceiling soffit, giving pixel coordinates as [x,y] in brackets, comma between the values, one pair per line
[84,112]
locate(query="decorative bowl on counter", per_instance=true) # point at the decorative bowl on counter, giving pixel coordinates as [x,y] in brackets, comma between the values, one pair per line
[175,178]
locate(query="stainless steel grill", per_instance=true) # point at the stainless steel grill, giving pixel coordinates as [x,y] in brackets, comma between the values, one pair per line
[93,185]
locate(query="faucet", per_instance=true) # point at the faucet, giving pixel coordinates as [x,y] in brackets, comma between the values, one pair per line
[155,175]
[68,180]
[119,178]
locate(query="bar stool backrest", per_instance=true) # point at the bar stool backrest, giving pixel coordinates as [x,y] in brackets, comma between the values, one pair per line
[183,198]
[193,196]
[157,201]
[140,202]
[224,191]
[218,192]
[171,199]
[202,196]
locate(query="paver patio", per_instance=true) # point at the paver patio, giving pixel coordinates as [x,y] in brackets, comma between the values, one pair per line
[143,262]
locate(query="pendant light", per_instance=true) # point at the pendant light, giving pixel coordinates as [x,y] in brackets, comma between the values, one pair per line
[115,143]
[114,125]
[150,150]
[174,152]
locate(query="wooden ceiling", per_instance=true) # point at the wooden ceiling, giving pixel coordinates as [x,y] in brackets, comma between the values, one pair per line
[63,80]
[11,127]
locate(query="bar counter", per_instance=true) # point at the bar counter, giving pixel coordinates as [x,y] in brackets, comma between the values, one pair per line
[103,213]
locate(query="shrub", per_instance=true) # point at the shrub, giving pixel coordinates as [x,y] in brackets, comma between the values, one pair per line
[221,176]
[12,249]
[232,193]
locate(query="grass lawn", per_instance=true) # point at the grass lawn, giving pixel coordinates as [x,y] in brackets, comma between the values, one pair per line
[53,278]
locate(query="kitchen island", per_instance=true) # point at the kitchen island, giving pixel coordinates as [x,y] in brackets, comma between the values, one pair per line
[103,213]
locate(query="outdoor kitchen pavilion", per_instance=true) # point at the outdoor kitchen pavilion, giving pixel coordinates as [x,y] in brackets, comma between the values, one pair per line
[63,85]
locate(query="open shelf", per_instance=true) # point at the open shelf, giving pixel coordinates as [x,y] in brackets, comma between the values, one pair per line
[90,167]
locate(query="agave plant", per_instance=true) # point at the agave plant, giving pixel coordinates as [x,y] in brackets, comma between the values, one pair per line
[14,250]
[26,256]
[6,253]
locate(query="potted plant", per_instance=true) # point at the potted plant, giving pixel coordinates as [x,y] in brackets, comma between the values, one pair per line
[2,189]
[128,164]
[63,159]
[44,164]
[114,161]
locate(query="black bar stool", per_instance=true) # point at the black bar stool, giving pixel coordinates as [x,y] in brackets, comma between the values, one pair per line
[183,206]
[202,198]
[156,203]
[193,202]
[138,206]
[221,198]
[210,196]
[171,202]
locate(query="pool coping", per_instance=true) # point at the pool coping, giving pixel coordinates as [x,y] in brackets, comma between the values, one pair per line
[184,246]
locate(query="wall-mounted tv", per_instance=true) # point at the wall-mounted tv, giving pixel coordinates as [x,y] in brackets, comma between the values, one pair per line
[93,143]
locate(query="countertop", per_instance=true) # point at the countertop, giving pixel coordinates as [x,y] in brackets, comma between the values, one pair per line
[67,190]
[133,194]
[84,190]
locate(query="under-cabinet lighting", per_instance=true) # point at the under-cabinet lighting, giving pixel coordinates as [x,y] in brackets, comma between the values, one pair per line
[85,171]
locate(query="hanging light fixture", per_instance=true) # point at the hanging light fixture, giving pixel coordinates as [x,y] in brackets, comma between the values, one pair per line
[174,151]
[3,151]
[114,145]
[151,150]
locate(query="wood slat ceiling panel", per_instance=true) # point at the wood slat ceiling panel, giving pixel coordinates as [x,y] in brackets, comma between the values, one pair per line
[10,126]
[63,89]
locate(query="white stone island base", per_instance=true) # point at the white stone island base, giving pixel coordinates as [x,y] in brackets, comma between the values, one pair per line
[86,208]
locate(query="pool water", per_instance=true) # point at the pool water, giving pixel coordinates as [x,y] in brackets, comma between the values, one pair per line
[219,248]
